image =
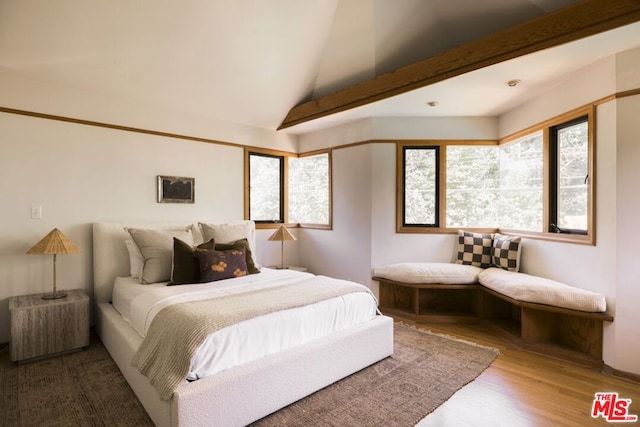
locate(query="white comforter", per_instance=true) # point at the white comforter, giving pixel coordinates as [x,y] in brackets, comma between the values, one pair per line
[251,339]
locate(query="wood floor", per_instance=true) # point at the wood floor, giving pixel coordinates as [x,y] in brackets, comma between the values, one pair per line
[525,389]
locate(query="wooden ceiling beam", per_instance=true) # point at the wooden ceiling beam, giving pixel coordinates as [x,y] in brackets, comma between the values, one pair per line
[572,23]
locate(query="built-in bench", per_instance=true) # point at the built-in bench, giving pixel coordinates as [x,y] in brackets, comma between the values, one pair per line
[558,331]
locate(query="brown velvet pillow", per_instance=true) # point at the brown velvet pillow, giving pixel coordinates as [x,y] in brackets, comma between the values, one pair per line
[186,267]
[241,243]
[218,265]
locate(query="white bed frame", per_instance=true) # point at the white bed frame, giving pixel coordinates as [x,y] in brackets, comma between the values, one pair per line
[238,396]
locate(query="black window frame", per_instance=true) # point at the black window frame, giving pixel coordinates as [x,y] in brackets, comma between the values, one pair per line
[554,156]
[281,159]
[436,224]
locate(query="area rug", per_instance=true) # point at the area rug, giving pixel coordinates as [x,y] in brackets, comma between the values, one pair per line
[424,371]
[86,388]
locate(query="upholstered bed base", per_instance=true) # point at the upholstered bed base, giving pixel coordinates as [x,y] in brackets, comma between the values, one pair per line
[241,395]
[237,396]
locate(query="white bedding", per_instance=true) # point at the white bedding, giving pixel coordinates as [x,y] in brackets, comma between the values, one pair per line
[251,339]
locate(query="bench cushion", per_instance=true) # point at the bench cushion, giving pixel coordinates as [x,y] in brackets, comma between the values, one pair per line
[525,287]
[429,272]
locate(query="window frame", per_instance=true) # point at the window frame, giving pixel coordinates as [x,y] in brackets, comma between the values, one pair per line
[545,233]
[284,186]
[588,238]
[554,174]
[441,184]
[402,150]
[283,180]
[329,225]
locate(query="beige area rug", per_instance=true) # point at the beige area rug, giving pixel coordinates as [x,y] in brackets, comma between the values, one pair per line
[424,371]
[86,388]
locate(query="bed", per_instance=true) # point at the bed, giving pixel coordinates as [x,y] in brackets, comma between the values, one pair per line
[235,395]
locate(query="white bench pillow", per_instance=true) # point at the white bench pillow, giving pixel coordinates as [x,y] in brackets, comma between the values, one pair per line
[525,287]
[429,272]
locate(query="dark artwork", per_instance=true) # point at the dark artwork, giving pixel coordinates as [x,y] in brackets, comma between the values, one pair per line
[175,189]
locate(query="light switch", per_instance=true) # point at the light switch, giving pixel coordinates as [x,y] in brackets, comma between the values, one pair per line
[36,212]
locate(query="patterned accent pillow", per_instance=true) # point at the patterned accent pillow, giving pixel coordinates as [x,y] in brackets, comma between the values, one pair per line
[186,267]
[218,265]
[506,252]
[251,266]
[474,249]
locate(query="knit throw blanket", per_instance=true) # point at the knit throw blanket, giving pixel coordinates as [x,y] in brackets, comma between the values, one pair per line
[177,331]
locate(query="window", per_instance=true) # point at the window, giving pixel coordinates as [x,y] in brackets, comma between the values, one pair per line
[569,177]
[266,187]
[537,183]
[420,181]
[521,192]
[472,186]
[284,188]
[310,189]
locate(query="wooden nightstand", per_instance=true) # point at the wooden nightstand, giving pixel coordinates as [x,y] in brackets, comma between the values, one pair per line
[42,327]
[296,268]
[289,267]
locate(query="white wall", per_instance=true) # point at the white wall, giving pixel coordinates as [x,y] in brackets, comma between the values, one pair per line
[82,174]
[627,267]
[590,84]
[399,128]
[42,97]
[345,251]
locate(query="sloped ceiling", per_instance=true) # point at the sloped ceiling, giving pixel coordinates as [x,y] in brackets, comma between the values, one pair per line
[241,61]
[373,37]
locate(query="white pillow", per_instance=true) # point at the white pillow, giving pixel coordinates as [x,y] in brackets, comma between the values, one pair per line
[136,260]
[230,232]
[156,247]
[429,272]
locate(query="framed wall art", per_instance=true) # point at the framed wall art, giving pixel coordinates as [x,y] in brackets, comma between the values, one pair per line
[176,189]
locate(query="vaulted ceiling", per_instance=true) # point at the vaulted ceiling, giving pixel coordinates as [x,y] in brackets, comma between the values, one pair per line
[252,61]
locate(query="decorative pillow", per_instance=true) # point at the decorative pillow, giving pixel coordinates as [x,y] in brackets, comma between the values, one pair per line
[242,243]
[218,265]
[186,267]
[506,252]
[136,260]
[231,232]
[474,249]
[156,247]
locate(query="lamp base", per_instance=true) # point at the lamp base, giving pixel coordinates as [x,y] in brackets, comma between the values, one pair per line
[54,295]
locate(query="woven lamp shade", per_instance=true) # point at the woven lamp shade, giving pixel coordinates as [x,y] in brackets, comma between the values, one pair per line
[54,243]
[281,235]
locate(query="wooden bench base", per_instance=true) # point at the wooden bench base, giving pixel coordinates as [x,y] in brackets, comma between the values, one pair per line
[571,335]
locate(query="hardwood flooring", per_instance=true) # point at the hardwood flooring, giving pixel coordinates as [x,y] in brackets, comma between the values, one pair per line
[526,389]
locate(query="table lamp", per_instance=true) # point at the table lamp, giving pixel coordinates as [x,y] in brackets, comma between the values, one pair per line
[280,235]
[54,243]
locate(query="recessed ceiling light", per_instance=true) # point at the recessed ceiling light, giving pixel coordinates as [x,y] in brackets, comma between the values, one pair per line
[513,83]
[432,103]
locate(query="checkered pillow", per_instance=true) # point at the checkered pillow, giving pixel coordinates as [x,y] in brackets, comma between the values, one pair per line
[506,252]
[474,249]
